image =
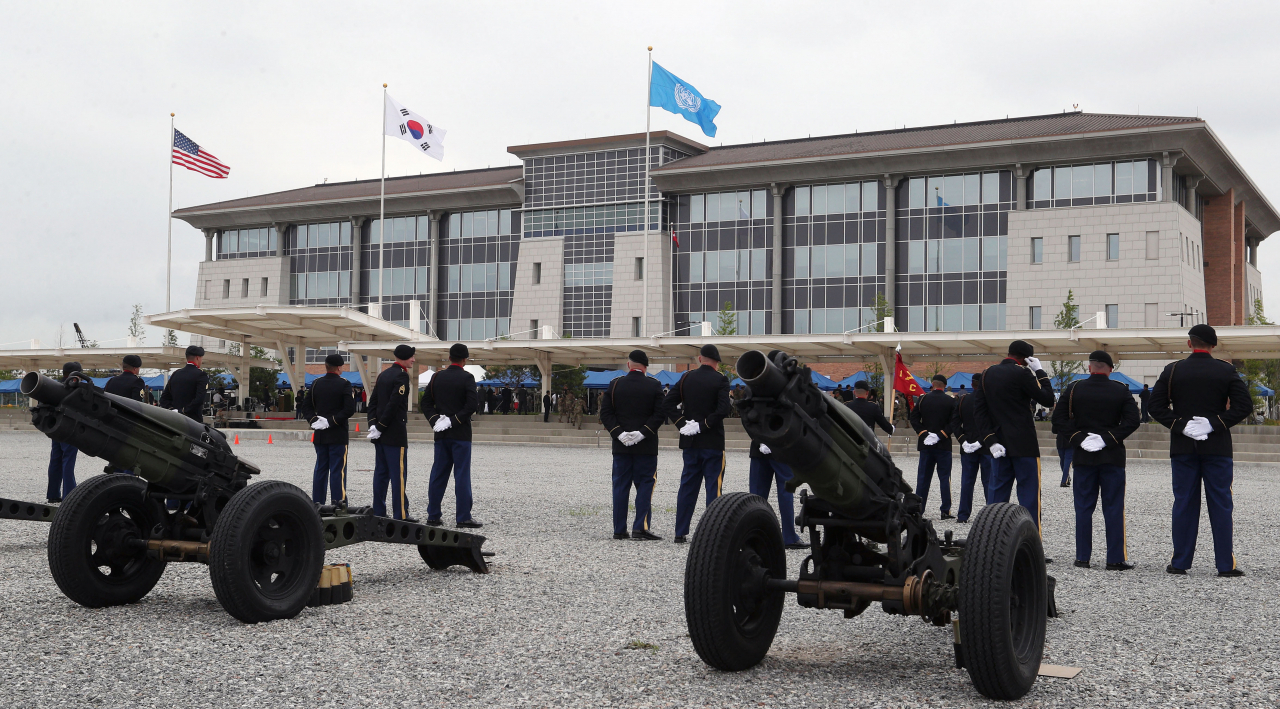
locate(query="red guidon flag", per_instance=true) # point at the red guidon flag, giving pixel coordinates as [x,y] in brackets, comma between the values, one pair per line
[904,382]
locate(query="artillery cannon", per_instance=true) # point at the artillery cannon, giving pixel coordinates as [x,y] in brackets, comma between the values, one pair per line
[190,500]
[870,543]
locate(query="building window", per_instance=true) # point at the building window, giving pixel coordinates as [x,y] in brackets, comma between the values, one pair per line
[728,206]
[748,322]
[226,288]
[1153,245]
[640,268]
[1037,250]
[320,260]
[1102,183]
[264,288]
[206,290]
[1113,315]
[1113,247]
[1073,249]
[1151,315]
[477,274]
[1035,317]
[244,287]
[588,285]
[533,328]
[495,222]
[537,273]
[635,327]
[247,243]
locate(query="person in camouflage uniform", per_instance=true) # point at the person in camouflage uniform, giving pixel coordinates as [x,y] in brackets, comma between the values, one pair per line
[565,405]
[575,417]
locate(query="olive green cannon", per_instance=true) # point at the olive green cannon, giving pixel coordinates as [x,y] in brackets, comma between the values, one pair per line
[870,544]
[189,499]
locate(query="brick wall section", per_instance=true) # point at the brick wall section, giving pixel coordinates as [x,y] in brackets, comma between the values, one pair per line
[1241,265]
[1220,275]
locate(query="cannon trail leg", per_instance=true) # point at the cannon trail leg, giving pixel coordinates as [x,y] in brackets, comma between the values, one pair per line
[97,542]
[1004,596]
[266,552]
[731,611]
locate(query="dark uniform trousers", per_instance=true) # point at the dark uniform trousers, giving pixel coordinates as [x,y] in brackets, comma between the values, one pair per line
[331,471]
[701,465]
[973,467]
[390,466]
[1215,473]
[452,456]
[765,472]
[1064,459]
[1109,480]
[931,458]
[1025,470]
[640,471]
[62,470]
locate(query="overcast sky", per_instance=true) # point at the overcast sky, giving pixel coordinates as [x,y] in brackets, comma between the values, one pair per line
[289,94]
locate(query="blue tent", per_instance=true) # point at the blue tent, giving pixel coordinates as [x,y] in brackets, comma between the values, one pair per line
[667,378]
[824,383]
[852,379]
[1134,385]
[525,383]
[9,386]
[600,380]
[955,380]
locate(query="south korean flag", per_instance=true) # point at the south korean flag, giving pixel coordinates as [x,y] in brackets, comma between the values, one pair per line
[414,129]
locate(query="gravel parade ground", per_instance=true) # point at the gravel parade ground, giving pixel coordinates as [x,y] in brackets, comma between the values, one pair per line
[571,617]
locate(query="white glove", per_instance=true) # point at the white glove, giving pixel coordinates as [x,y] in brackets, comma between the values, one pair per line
[931,439]
[970,447]
[1197,428]
[175,411]
[690,429]
[1033,364]
[892,428]
[1093,443]
[374,433]
[765,450]
[320,424]
[997,450]
[442,424]
[630,438]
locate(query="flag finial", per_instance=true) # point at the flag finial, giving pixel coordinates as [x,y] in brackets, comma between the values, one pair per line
[384,86]
[651,48]
[171,115]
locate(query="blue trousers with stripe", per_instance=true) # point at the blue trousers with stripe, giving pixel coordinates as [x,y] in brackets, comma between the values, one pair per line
[931,458]
[1215,473]
[640,471]
[331,472]
[973,467]
[701,465]
[1109,480]
[62,470]
[390,465]
[1025,470]
[1064,459]
[451,457]
[764,473]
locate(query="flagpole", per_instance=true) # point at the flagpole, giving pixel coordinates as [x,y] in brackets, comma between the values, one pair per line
[644,309]
[382,178]
[168,263]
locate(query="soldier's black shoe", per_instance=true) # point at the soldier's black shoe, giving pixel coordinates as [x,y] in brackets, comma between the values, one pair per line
[679,539]
[947,515]
[1121,566]
[434,522]
[1067,482]
[53,501]
[1171,569]
[645,535]
[1084,564]
[621,535]
[1047,560]
[798,545]
[1230,574]
[410,520]
[470,524]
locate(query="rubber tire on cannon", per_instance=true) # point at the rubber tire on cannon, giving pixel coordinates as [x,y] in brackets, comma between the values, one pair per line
[732,616]
[1004,596]
[93,552]
[266,552]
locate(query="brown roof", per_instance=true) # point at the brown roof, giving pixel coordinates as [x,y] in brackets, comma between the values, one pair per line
[606,142]
[1027,127]
[363,189]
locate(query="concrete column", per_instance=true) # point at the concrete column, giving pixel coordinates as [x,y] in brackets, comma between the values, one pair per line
[433,273]
[1020,174]
[1190,201]
[413,386]
[282,235]
[357,224]
[243,374]
[891,242]
[1167,159]
[775,312]
[545,369]
[208,243]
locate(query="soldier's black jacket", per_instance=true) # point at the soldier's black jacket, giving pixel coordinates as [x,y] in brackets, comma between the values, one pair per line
[705,395]
[932,414]
[633,402]
[452,393]
[964,423]
[1003,406]
[185,391]
[1200,386]
[389,407]
[128,385]
[870,413]
[334,399]
[1096,405]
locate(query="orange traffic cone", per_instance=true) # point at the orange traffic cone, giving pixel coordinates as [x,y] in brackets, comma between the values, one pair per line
[357,428]
[268,439]
[237,439]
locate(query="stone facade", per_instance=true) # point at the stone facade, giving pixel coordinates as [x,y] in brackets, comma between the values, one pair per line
[541,301]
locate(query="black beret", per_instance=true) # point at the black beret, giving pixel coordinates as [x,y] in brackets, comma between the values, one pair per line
[1020,348]
[70,367]
[863,385]
[710,352]
[132,361]
[195,351]
[334,360]
[939,378]
[1205,334]
[1103,357]
[404,352]
[639,357]
[977,379]
[459,351]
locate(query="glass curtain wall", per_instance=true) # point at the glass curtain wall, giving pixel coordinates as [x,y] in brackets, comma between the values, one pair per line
[320,264]
[477,273]
[724,257]
[246,243]
[394,265]
[1119,182]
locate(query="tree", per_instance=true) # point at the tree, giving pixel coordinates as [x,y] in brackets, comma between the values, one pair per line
[726,320]
[875,373]
[136,329]
[170,338]
[1260,372]
[1064,370]
[570,378]
[262,380]
[509,375]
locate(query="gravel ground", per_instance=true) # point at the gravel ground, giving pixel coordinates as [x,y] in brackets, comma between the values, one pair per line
[570,617]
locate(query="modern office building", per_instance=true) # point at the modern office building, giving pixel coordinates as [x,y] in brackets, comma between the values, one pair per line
[1147,220]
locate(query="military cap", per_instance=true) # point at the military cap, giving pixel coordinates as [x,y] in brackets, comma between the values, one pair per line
[1020,348]
[977,379]
[132,361]
[70,367]
[639,357]
[195,351]
[710,352]
[459,351]
[404,352]
[1205,334]
[1101,356]
[939,378]
[334,360]
[863,385]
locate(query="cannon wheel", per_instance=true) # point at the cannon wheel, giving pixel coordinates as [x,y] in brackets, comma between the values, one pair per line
[1004,596]
[91,555]
[266,552]
[732,616]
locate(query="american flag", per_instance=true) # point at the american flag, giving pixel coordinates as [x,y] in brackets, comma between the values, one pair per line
[189,155]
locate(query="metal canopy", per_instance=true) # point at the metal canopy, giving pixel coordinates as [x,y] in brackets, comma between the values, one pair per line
[110,357]
[293,325]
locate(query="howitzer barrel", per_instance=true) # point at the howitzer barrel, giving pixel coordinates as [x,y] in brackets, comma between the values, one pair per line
[164,447]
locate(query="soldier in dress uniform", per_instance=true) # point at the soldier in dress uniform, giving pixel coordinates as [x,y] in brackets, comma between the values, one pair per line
[1096,415]
[1005,424]
[975,459]
[869,411]
[1199,399]
[327,406]
[449,403]
[931,419]
[765,471]
[62,457]
[129,385]
[631,410]
[698,405]
[185,390]
[388,414]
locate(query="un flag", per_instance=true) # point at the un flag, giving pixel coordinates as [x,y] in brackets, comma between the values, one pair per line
[666,90]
